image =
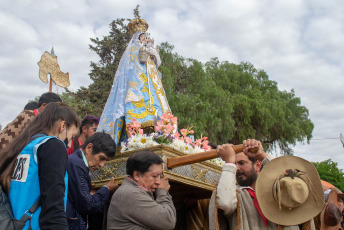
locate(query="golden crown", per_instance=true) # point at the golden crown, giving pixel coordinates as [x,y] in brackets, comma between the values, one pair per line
[137,25]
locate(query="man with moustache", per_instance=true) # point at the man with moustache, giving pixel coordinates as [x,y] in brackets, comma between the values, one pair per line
[237,204]
[92,155]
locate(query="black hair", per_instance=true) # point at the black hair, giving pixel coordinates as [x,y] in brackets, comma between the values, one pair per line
[102,142]
[31,105]
[213,145]
[48,97]
[253,160]
[141,161]
[88,121]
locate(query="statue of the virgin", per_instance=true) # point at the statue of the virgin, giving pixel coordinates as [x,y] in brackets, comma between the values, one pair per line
[137,91]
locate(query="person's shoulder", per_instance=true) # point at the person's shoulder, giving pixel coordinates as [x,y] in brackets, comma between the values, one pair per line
[30,113]
[53,144]
[21,118]
[54,141]
[128,191]
[75,158]
[53,147]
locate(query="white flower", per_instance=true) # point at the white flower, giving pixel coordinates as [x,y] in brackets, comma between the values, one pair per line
[138,141]
[217,161]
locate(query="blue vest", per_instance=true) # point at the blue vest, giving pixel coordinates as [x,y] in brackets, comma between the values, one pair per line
[25,190]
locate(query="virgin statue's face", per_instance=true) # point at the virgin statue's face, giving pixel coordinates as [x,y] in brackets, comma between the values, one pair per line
[142,37]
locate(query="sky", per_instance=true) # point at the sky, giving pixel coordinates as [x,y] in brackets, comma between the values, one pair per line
[298,43]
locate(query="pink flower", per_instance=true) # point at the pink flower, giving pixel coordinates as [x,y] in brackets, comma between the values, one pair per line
[136,124]
[188,140]
[191,131]
[205,145]
[165,117]
[131,132]
[141,131]
[198,142]
[168,128]
[184,132]
[174,120]
[177,135]
[158,128]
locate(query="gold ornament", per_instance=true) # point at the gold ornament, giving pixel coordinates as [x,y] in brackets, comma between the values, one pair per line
[137,25]
[48,65]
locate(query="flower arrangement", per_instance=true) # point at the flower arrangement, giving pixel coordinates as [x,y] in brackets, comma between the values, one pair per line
[166,133]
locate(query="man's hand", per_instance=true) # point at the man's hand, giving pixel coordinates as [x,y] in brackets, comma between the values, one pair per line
[226,152]
[164,183]
[251,143]
[112,185]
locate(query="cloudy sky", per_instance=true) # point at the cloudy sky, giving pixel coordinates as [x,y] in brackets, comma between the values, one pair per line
[300,44]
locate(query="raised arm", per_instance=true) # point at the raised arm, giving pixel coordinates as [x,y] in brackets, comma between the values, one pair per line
[226,189]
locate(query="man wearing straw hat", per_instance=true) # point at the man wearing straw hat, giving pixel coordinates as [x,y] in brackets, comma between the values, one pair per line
[237,206]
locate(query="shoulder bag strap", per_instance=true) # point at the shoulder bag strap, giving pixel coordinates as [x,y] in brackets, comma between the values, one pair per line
[31,211]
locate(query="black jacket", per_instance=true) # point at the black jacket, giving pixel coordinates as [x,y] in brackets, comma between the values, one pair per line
[80,202]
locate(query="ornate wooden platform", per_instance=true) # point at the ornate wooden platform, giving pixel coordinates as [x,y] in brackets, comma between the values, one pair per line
[203,175]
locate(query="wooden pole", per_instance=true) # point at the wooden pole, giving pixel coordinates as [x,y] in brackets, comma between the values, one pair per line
[202,156]
[51,84]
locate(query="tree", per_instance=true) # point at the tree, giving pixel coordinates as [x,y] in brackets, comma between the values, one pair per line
[230,103]
[226,102]
[328,171]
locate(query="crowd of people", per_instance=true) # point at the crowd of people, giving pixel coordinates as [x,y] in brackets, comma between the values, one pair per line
[47,154]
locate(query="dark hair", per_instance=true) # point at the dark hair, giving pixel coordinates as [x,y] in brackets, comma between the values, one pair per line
[213,145]
[141,161]
[42,124]
[253,160]
[88,121]
[31,105]
[102,142]
[48,97]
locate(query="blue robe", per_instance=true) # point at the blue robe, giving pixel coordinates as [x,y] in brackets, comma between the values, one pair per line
[137,92]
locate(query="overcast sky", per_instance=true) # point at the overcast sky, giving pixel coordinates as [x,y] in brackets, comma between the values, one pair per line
[300,44]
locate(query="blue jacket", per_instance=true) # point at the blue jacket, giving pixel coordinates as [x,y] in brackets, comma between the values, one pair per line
[80,202]
[25,187]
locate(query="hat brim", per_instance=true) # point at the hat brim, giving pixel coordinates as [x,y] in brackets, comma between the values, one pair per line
[269,206]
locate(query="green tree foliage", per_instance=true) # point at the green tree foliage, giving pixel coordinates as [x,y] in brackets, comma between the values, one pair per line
[328,171]
[230,103]
[226,102]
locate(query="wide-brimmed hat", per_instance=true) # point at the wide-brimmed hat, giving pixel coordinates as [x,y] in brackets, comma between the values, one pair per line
[289,191]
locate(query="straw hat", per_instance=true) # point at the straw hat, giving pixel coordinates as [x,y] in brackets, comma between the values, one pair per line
[289,191]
